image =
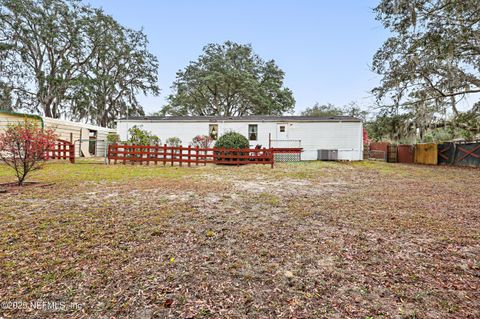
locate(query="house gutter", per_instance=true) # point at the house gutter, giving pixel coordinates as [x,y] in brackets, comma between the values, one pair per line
[33,116]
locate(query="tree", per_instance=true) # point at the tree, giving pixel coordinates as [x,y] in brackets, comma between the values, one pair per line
[326,110]
[202,141]
[23,147]
[392,127]
[113,138]
[173,141]
[232,140]
[47,46]
[323,110]
[432,59]
[6,102]
[63,58]
[138,136]
[353,110]
[120,69]
[229,79]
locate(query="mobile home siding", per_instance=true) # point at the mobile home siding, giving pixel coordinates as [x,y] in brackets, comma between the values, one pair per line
[74,132]
[66,130]
[11,118]
[346,137]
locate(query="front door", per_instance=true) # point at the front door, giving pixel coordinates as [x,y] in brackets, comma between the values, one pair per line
[282,131]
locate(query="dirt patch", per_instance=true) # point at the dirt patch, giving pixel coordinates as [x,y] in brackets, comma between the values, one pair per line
[304,241]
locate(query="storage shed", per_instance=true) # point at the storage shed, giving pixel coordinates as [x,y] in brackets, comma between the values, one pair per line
[89,140]
[322,138]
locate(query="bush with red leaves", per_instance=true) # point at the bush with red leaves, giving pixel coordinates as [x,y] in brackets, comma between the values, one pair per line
[23,147]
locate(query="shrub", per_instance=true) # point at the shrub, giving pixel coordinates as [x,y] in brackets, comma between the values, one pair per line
[113,138]
[23,147]
[232,140]
[174,141]
[202,141]
[142,137]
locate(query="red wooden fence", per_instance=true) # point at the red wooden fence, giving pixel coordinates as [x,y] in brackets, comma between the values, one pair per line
[189,155]
[61,150]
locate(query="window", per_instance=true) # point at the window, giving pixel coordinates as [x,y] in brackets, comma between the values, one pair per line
[252,132]
[282,129]
[213,131]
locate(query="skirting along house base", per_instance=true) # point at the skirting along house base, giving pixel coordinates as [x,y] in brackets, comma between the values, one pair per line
[321,138]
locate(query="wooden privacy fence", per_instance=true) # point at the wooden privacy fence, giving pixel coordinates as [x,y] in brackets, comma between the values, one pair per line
[382,151]
[405,153]
[378,150]
[61,149]
[459,153]
[188,155]
[426,154]
[448,153]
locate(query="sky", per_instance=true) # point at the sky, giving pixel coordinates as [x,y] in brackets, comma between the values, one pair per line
[324,47]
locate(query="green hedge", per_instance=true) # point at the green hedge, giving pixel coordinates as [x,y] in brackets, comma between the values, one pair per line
[232,140]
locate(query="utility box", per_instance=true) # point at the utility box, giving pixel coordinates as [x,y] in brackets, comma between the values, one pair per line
[327,155]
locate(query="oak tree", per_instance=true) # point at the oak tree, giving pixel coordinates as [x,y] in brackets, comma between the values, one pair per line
[229,79]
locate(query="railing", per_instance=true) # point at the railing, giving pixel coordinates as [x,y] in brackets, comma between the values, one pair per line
[188,155]
[61,149]
[285,144]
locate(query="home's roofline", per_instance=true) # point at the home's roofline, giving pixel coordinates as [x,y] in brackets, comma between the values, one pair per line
[49,120]
[53,121]
[33,116]
[249,118]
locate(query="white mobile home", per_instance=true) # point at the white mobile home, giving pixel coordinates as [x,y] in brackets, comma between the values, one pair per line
[336,137]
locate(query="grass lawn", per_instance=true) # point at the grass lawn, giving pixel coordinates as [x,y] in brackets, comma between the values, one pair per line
[303,240]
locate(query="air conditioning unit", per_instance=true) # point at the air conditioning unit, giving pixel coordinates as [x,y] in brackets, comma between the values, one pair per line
[327,155]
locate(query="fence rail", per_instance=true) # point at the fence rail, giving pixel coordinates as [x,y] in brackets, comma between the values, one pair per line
[61,149]
[187,155]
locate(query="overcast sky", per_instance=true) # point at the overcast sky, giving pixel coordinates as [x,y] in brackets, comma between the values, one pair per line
[324,47]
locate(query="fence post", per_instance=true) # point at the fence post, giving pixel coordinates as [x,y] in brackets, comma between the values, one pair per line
[71,155]
[272,158]
[139,150]
[164,154]
[147,153]
[196,155]
[132,153]
[180,153]
[171,155]
[189,154]
[238,159]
